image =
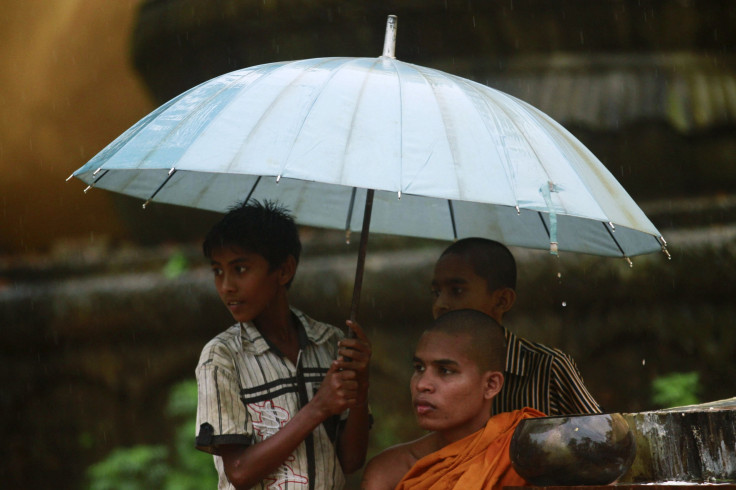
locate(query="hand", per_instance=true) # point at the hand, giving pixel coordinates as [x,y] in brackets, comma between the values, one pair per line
[337,392]
[355,355]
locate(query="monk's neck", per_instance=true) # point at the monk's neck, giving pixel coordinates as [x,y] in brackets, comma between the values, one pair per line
[449,436]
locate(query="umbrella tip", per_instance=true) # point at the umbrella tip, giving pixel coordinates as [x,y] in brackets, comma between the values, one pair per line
[389,42]
[663,244]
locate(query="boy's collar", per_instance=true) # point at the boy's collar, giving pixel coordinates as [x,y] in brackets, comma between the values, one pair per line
[514,363]
[519,356]
[254,343]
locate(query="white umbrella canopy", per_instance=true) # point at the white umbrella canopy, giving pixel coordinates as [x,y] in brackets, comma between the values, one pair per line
[447,157]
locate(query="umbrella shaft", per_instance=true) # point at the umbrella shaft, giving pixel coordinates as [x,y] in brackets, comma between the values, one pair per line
[361,256]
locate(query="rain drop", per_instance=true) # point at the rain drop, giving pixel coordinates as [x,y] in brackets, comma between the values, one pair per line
[643,362]
[564,304]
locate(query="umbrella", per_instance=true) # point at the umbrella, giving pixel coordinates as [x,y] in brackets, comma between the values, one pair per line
[424,153]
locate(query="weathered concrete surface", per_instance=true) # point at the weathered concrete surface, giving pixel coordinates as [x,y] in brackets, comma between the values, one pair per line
[695,443]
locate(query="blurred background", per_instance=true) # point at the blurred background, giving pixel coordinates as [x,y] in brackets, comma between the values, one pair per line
[104,307]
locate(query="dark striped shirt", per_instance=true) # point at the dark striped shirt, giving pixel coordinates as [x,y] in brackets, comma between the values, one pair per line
[247,392]
[541,377]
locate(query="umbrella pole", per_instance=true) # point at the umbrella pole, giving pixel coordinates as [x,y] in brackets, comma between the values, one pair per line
[361,257]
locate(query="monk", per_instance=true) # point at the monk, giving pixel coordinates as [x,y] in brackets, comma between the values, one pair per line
[458,369]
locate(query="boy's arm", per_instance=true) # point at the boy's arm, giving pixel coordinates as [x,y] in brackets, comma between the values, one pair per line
[353,442]
[247,465]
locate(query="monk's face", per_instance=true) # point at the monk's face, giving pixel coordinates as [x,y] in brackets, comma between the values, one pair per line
[448,390]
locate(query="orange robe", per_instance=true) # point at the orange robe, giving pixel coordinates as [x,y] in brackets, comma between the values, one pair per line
[478,461]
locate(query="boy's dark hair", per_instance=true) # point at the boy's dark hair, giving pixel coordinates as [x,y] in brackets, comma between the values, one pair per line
[490,259]
[266,229]
[487,345]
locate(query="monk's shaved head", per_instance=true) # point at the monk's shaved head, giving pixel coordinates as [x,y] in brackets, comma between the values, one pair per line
[486,343]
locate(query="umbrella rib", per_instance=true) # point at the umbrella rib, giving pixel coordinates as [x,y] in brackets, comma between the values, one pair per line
[253,189]
[610,233]
[121,141]
[395,66]
[357,104]
[203,105]
[544,223]
[309,110]
[452,218]
[507,160]
[522,105]
[171,172]
[350,210]
[96,179]
[426,76]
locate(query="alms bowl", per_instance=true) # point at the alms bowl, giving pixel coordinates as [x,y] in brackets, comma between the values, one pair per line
[573,449]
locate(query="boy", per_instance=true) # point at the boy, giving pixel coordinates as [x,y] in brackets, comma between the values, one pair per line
[457,373]
[480,274]
[272,387]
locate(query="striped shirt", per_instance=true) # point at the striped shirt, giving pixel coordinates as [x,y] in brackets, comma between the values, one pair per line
[248,391]
[541,377]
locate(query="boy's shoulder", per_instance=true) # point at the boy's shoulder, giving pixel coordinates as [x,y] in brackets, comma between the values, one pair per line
[225,344]
[521,344]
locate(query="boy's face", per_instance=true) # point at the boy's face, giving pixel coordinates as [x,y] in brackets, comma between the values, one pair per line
[447,389]
[244,282]
[456,286]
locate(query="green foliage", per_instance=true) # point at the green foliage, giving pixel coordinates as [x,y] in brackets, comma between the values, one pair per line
[387,432]
[176,466]
[130,469]
[176,265]
[676,389]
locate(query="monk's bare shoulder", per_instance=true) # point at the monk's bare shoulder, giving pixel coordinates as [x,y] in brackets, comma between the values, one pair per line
[388,467]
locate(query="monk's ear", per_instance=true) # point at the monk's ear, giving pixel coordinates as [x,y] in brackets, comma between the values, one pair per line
[493,382]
